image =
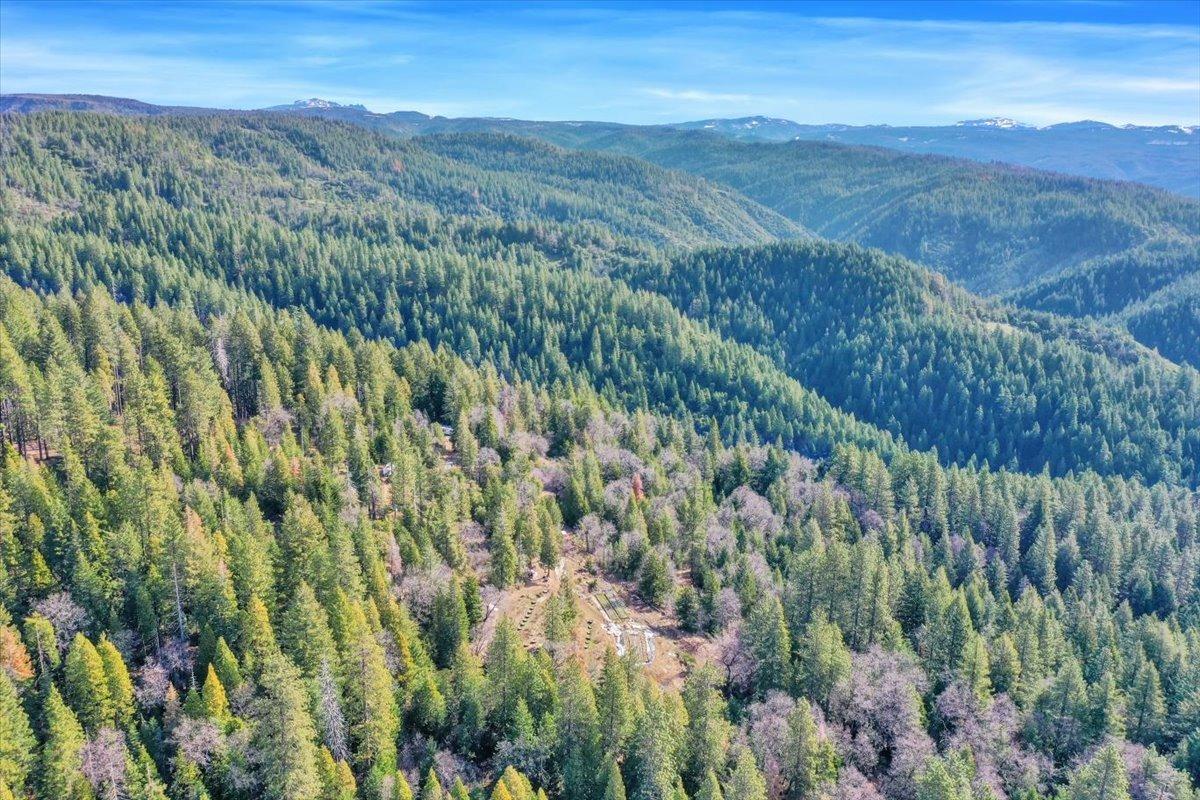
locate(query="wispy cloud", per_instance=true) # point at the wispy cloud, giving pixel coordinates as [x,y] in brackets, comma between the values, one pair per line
[324,41]
[631,63]
[698,96]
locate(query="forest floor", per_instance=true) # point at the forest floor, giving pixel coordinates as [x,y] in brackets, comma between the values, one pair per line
[611,614]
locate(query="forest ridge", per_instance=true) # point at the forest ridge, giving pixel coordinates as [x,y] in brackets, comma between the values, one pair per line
[519,460]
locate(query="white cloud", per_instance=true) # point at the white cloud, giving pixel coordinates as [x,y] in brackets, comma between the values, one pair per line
[699,96]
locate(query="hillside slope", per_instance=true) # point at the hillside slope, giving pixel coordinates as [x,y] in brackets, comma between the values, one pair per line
[314,566]
[901,348]
[311,214]
[315,215]
[321,480]
[993,228]
[1165,156]
[989,227]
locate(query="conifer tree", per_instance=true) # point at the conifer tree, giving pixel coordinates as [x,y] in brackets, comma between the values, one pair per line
[120,685]
[710,788]
[614,784]
[770,645]
[431,787]
[1146,706]
[215,700]
[61,759]
[17,742]
[824,660]
[284,738]
[613,704]
[708,732]
[809,761]
[1104,777]
[401,788]
[746,782]
[304,632]
[87,685]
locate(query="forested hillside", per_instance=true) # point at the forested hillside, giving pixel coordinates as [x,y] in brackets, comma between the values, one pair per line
[990,227]
[340,467]
[1170,318]
[1166,156]
[1049,242]
[316,215]
[245,556]
[1152,292]
[899,347]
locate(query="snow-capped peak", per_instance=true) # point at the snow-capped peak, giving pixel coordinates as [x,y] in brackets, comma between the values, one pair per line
[991,122]
[316,102]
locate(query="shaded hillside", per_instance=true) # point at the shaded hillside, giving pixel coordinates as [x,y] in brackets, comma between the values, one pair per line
[899,347]
[991,228]
[995,229]
[1169,320]
[316,215]
[311,215]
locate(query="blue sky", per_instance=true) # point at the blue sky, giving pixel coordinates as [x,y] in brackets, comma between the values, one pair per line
[900,63]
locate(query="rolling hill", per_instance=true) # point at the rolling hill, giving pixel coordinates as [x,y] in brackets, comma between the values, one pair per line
[493,245]
[1165,156]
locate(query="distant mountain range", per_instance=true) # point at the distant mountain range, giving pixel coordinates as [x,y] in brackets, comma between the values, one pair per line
[1166,156]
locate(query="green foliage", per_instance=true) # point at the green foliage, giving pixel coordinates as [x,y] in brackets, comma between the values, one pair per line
[16,739]
[257,521]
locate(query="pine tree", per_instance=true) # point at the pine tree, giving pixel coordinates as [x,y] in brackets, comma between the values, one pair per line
[1146,706]
[401,789]
[710,788]
[614,784]
[215,701]
[62,746]
[466,446]
[576,721]
[1061,711]
[613,706]
[87,685]
[337,781]
[503,666]
[1039,562]
[824,660]
[467,700]
[975,667]
[226,666]
[431,787]
[304,632]
[368,690]
[450,626]
[653,752]
[504,559]
[770,645]
[284,738]
[1102,778]
[746,782]
[258,637]
[708,732]
[946,778]
[120,685]
[16,738]
[809,761]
